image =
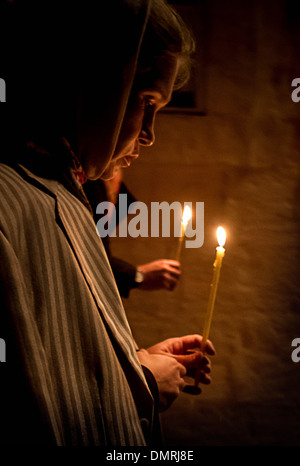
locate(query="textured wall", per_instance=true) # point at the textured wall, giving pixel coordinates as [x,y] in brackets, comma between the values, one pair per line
[242,160]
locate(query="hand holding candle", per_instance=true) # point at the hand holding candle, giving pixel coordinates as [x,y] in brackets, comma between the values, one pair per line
[187,214]
[221,235]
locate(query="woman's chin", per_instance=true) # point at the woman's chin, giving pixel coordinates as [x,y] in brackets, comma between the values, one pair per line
[109,172]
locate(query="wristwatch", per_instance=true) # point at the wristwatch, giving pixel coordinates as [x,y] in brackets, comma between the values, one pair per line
[139,277]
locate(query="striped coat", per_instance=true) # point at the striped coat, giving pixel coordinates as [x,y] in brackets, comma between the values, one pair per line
[72,377]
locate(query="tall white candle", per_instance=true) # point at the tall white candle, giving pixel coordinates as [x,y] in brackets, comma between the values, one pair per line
[221,235]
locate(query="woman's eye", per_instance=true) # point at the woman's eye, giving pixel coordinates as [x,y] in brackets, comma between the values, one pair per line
[146,102]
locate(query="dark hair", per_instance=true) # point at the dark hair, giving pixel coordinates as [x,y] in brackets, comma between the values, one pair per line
[167,34]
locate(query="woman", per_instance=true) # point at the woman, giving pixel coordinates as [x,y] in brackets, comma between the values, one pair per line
[73,372]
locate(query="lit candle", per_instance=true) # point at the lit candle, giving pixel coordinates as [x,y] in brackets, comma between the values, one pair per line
[221,235]
[187,214]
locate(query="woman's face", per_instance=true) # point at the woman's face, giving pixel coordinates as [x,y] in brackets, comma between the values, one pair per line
[151,91]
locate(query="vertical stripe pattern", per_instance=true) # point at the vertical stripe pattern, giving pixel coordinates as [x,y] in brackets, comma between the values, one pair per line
[72,334]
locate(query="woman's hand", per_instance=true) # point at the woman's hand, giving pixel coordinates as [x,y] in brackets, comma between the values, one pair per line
[173,359]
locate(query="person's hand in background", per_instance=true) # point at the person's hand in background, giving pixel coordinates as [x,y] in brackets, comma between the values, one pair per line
[160,274]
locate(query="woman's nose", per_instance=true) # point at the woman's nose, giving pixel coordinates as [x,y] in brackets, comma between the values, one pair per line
[147,136]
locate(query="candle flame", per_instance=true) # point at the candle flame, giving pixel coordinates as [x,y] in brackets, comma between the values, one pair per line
[187,213]
[221,235]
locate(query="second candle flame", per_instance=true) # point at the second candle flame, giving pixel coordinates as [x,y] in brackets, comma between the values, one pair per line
[221,236]
[187,214]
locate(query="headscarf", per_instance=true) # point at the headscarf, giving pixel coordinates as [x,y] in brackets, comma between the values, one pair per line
[55,48]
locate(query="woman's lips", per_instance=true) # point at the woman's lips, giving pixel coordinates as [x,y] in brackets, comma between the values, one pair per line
[127,160]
